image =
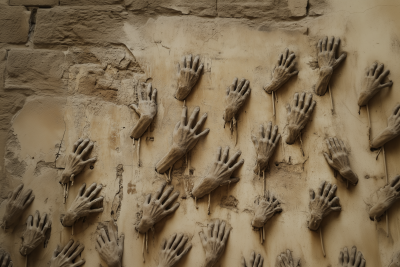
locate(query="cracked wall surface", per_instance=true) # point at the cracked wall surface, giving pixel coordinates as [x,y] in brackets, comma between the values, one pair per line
[69,69]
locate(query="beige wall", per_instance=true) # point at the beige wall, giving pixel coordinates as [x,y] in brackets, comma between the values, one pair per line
[84,44]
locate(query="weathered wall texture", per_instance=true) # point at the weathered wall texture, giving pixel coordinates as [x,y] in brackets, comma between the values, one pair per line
[69,69]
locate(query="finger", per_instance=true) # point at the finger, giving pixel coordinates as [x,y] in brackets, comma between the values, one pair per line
[185,250]
[226,234]
[268,132]
[295,100]
[311,109]
[199,70]
[236,166]
[171,199]
[372,69]
[358,259]
[221,231]
[257,260]
[342,145]
[334,202]
[395,180]
[289,60]
[200,123]
[29,201]
[183,116]
[353,255]
[121,242]
[340,59]
[90,189]
[332,192]
[96,210]
[17,191]
[79,263]
[324,41]
[285,260]
[378,71]
[388,84]
[67,246]
[193,116]
[243,262]
[112,231]
[319,46]
[92,160]
[330,43]
[166,193]
[328,159]
[320,188]
[224,156]
[337,208]
[100,240]
[97,246]
[24,196]
[171,240]
[154,96]
[333,145]
[47,226]
[337,144]
[328,144]
[244,90]
[362,262]
[81,190]
[77,252]
[261,131]
[195,63]
[172,209]
[285,56]
[42,220]
[210,227]
[301,100]
[181,244]
[76,144]
[233,159]
[240,85]
[29,221]
[326,189]
[189,62]
[307,102]
[232,87]
[312,194]
[288,109]
[56,251]
[383,75]
[36,219]
[104,235]
[273,134]
[203,238]
[183,62]
[396,109]
[279,62]
[177,241]
[216,228]
[261,263]
[148,91]
[341,258]
[157,194]
[336,45]
[95,192]
[82,146]
[277,138]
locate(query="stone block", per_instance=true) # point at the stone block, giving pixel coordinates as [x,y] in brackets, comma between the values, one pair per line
[33,2]
[253,9]
[35,70]
[14,24]
[90,2]
[80,25]
[298,8]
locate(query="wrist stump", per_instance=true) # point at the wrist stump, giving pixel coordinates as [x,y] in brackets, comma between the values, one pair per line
[68,219]
[325,75]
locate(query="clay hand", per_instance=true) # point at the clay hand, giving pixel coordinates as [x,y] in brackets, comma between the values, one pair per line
[82,205]
[5,260]
[391,131]
[265,146]
[355,260]
[340,159]
[156,207]
[173,250]
[185,137]
[17,202]
[387,196]
[109,246]
[188,74]
[236,95]
[35,233]
[75,162]
[254,261]
[146,109]
[322,204]
[327,62]
[372,83]
[265,209]
[215,242]
[298,115]
[286,260]
[282,72]
[68,256]
[220,173]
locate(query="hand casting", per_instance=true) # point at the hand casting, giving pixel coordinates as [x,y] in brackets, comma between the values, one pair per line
[68,256]
[173,250]
[355,260]
[236,95]
[5,259]
[265,146]
[35,232]
[387,196]
[188,75]
[286,260]
[265,209]
[390,132]
[254,261]
[109,246]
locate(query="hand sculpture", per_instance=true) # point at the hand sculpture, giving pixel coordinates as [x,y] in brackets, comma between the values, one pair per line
[157,207]
[372,83]
[82,204]
[185,137]
[35,233]
[109,246]
[215,242]
[340,160]
[265,209]
[395,260]
[188,75]
[173,250]
[322,204]
[327,62]
[265,146]
[17,202]
[147,109]
[236,95]
[75,163]
[5,260]
[68,256]
[254,261]
[353,261]
[387,196]
[282,72]
[390,132]
[286,260]
[220,173]
[298,115]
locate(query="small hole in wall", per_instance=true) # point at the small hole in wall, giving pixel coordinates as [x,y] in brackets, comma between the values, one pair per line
[91,167]
[123,127]
[276,164]
[191,172]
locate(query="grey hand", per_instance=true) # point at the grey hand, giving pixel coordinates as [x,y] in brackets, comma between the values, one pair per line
[387,196]
[68,256]
[109,246]
[188,75]
[253,261]
[355,260]
[236,95]
[391,131]
[35,232]
[265,146]
[265,209]
[372,83]
[173,250]
[17,202]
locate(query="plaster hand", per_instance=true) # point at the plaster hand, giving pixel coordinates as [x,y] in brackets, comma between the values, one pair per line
[185,137]
[265,146]
[387,196]
[327,62]
[339,159]
[372,83]
[35,232]
[109,246]
[282,71]
[156,207]
[68,256]
[82,205]
[17,202]
[220,173]
[188,74]
[254,261]
[75,162]
[5,259]
[173,250]
[322,204]
[355,259]
[146,109]
[286,260]
[215,242]
[298,115]
[265,209]
[391,131]
[236,95]
[395,260]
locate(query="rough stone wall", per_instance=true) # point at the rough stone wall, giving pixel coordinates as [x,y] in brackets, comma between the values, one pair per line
[69,69]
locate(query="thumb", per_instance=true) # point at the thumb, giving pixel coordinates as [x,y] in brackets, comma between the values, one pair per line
[134,107]
[56,251]
[243,262]
[328,159]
